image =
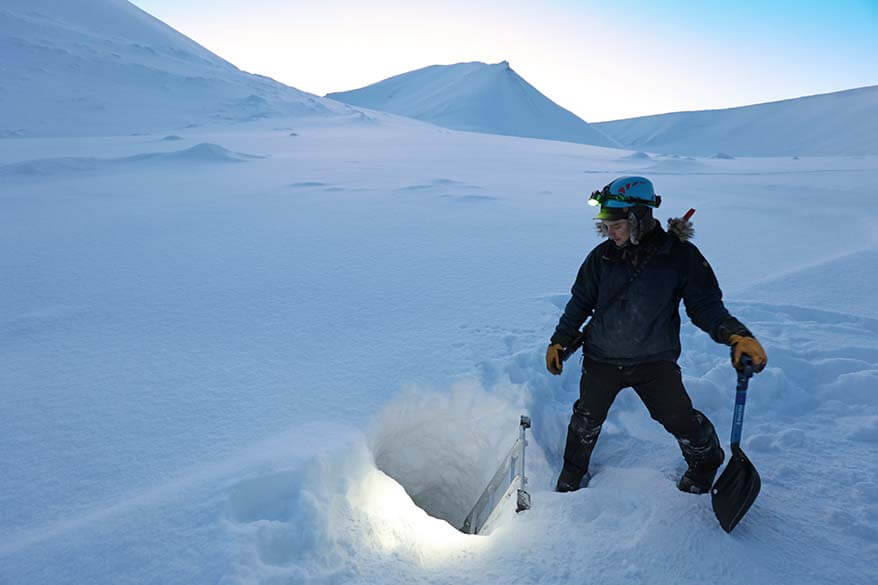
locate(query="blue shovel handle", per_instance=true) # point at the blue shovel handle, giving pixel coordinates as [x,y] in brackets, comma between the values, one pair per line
[744,376]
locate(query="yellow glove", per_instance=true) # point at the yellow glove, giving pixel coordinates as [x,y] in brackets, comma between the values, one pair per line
[553,358]
[749,346]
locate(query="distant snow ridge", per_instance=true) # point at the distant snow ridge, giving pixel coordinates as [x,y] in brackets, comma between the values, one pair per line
[105,67]
[840,123]
[639,155]
[204,152]
[49,167]
[476,97]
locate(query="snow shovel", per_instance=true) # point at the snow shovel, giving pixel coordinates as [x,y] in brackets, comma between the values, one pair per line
[737,487]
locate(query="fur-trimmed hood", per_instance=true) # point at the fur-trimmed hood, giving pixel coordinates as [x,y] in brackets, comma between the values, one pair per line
[682,228]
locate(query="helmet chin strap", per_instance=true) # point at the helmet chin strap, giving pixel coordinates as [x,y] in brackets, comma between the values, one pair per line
[633,225]
[640,223]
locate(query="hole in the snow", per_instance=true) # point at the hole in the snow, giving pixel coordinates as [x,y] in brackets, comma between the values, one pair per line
[443,448]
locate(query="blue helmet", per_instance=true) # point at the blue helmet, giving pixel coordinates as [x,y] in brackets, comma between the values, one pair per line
[623,193]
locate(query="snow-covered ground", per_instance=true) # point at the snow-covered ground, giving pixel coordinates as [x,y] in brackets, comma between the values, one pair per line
[216,348]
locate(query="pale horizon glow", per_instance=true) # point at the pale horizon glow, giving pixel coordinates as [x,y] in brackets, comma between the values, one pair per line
[601,62]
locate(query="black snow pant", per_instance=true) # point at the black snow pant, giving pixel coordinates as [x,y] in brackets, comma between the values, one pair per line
[660,386]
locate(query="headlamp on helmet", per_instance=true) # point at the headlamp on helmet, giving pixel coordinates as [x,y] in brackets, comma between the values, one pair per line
[604,195]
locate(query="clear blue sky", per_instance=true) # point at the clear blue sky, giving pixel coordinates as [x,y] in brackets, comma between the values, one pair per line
[601,60]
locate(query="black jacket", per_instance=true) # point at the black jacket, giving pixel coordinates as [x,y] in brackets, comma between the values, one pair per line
[643,324]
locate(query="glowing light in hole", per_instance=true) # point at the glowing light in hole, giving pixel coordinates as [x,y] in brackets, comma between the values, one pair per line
[399,525]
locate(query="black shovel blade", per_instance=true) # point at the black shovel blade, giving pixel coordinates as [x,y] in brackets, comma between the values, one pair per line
[735,490]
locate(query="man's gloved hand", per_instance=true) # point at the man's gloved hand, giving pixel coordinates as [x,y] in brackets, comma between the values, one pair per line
[747,345]
[553,358]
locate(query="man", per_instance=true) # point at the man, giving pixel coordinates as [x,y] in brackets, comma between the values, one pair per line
[631,286]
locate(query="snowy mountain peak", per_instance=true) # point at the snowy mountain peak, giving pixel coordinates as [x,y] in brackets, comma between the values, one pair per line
[477,97]
[832,124]
[93,67]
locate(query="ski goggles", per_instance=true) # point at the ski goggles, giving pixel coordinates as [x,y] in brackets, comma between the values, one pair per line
[604,195]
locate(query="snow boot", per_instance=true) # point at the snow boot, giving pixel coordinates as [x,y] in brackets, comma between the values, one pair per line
[703,454]
[572,478]
[697,480]
[582,434]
